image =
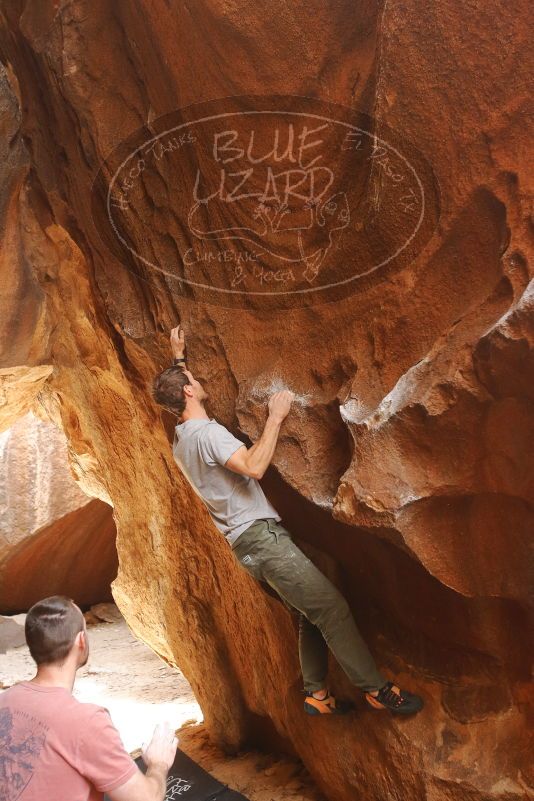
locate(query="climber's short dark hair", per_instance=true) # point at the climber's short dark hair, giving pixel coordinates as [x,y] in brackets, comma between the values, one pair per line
[168,389]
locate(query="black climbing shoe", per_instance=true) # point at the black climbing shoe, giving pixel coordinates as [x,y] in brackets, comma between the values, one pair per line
[398,701]
[327,706]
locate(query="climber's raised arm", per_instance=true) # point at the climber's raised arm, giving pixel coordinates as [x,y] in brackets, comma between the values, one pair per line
[254,461]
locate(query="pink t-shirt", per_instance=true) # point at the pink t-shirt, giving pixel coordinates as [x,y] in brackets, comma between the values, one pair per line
[54,748]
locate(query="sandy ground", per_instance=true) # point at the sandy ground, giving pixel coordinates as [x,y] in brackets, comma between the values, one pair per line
[140,691]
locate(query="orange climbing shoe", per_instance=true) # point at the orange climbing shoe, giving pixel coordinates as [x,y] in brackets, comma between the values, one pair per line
[398,701]
[328,706]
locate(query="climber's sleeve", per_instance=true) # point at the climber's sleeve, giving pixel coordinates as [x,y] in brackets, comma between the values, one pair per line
[217,444]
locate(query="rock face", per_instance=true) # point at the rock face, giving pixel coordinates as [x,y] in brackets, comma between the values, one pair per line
[53,539]
[406,466]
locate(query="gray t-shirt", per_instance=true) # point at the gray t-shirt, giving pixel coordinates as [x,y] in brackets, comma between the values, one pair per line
[201,448]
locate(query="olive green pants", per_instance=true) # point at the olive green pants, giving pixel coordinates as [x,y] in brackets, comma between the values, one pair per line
[267,551]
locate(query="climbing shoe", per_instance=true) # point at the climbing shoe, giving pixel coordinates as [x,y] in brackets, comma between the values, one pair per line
[398,701]
[327,706]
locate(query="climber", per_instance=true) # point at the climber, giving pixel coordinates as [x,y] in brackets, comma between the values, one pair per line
[225,474]
[53,745]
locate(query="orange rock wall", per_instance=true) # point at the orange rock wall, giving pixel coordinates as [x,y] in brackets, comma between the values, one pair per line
[409,467]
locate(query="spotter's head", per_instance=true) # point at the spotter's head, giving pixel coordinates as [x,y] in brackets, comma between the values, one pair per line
[55,631]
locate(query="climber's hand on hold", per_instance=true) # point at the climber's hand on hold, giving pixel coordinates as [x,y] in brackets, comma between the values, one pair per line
[178,342]
[280,404]
[254,461]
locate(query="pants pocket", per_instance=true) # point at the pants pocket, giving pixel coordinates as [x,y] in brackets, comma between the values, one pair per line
[276,529]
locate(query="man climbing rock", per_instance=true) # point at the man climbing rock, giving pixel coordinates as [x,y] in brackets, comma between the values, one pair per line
[225,473]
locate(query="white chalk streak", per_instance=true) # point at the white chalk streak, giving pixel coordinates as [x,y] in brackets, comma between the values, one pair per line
[263,390]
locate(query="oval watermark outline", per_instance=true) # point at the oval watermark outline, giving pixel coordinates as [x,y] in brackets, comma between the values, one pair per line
[288,112]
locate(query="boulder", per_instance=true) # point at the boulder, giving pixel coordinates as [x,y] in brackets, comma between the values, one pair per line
[53,538]
[405,465]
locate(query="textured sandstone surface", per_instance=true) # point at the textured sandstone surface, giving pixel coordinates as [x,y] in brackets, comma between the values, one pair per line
[407,468]
[53,538]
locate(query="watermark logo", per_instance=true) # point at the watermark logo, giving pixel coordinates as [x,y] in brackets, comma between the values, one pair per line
[265,202]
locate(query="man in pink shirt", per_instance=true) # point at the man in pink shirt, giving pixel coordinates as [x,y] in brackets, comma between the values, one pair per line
[54,748]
